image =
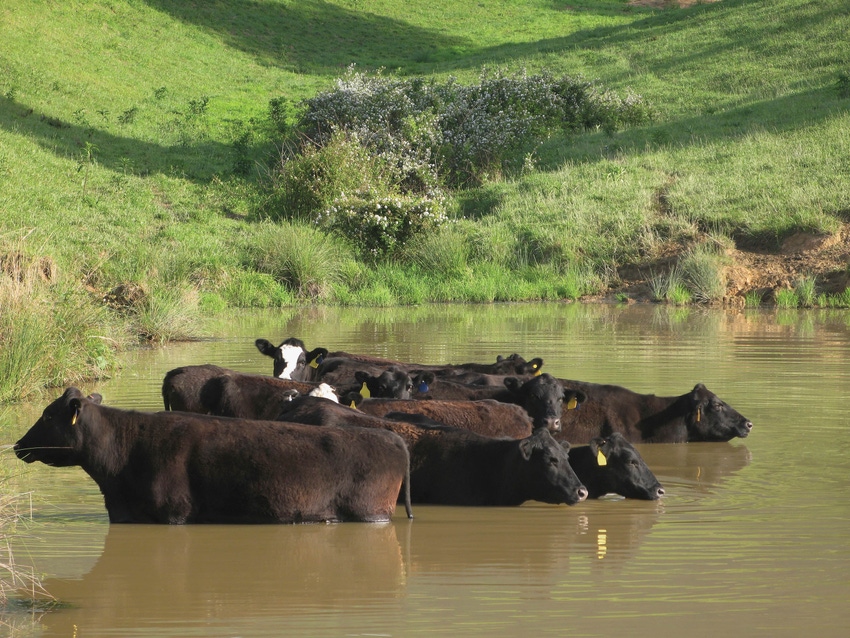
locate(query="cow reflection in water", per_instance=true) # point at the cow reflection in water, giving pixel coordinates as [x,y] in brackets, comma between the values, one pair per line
[162,575]
[700,466]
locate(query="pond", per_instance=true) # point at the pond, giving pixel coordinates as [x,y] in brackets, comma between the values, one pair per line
[751,539]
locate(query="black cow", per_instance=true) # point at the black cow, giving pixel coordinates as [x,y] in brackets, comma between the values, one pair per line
[206,389]
[698,415]
[291,359]
[613,465]
[339,366]
[209,389]
[542,396]
[451,466]
[175,467]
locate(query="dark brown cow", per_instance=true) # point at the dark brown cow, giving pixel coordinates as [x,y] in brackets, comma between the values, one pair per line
[487,417]
[450,466]
[613,465]
[176,467]
[698,415]
[541,396]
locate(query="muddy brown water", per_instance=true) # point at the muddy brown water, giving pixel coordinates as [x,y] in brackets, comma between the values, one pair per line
[751,539]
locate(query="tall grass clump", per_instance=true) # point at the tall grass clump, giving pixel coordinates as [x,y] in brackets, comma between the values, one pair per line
[669,286]
[19,585]
[787,298]
[703,271]
[444,254]
[51,332]
[806,289]
[307,260]
[168,314]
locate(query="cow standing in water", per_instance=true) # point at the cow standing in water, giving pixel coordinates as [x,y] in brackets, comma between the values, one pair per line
[698,415]
[451,466]
[176,467]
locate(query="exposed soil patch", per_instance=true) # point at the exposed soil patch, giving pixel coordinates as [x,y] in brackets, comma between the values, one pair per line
[826,258]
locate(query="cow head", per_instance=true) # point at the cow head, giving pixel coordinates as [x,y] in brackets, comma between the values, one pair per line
[515,364]
[544,398]
[545,473]
[710,419]
[390,384]
[623,469]
[56,437]
[291,359]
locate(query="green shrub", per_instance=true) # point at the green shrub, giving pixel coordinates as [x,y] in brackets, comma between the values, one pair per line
[309,179]
[753,299]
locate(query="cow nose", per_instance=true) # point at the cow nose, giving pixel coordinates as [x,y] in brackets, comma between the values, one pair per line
[659,492]
[555,425]
[581,493]
[748,425]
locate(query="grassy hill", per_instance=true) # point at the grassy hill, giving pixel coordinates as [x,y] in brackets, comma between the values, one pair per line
[139,139]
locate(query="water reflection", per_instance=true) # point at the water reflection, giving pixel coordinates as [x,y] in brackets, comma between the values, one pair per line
[183,574]
[699,466]
[533,544]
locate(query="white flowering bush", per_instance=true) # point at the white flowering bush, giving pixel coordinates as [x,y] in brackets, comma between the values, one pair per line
[428,130]
[381,225]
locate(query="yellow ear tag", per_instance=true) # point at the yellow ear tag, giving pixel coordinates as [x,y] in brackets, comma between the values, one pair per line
[74,418]
[314,363]
[698,413]
[364,391]
[572,403]
[353,405]
[600,458]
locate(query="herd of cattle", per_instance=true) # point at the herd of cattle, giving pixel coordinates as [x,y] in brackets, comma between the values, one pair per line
[232,447]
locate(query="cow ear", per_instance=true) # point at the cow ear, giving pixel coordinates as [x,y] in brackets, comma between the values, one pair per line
[316,356]
[96,398]
[696,401]
[526,447]
[499,358]
[74,404]
[265,347]
[361,376]
[573,398]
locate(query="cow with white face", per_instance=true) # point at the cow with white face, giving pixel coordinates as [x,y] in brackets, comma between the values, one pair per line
[291,358]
